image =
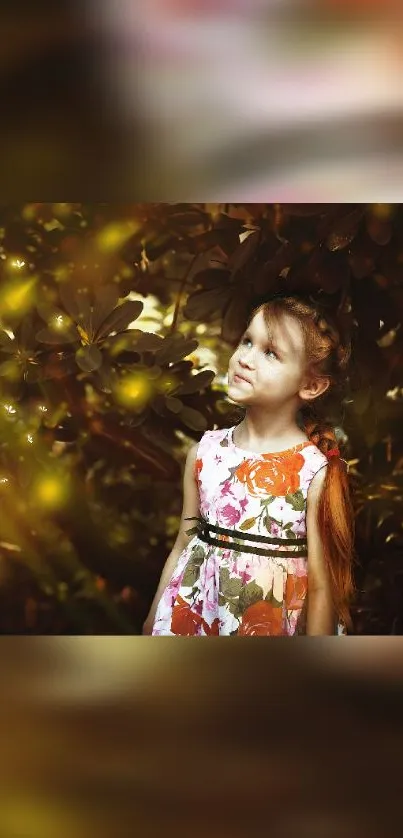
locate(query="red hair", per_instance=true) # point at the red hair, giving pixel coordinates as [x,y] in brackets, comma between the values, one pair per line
[326,356]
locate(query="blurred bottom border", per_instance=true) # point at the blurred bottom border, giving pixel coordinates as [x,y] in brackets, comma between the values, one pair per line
[114,734]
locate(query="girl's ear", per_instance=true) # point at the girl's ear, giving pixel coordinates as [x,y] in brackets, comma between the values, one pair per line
[313,388]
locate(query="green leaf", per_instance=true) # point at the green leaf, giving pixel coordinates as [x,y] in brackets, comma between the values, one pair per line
[203,305]
[69,335]
[233,607]
[235,318]
[209,278]
[192,570]
[10,369]
[198,554]
[77,302]
[196,383]
[229,587]
[233,588]
[106,300]
[191,575]
[144,341]
[244,251]
[191,218]
[296,500]
[224,577]
[175,348]
[250,594]
[155,248]
[174,405]
[268,521]
[158,405]
[246,525]
[120,318]
[7,344]
[153,373]
[193,419]
[89,358]
[34,372]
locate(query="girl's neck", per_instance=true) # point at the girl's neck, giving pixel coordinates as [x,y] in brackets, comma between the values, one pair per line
[256,432]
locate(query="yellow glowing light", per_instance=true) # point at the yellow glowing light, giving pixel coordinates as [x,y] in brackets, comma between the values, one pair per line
[214,211]
[382,211]
[167,383]
[61,273]
[118,346]
[13,371]
[60,322]
[18,263]
[115,235]
[62,209]
[18,297]
[133,390]
[51,492]
[10,409]
[29,212]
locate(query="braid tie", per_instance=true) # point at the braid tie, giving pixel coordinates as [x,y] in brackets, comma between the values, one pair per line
[323,436]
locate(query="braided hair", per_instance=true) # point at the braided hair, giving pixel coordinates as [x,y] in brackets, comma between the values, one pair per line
[327,354]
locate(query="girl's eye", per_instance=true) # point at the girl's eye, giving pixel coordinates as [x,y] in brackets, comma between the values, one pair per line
[267,352]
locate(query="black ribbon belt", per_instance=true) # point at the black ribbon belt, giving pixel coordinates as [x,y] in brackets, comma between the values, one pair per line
[203,527]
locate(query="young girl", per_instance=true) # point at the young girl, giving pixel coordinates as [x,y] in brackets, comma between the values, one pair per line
[272,550]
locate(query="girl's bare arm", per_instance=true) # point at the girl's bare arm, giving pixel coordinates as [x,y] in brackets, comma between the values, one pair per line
[190,508]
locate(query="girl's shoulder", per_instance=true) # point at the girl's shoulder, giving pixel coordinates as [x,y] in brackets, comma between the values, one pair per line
[314,459]
[211,438]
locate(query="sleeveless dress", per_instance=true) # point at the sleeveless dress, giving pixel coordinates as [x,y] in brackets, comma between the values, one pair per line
[244,572]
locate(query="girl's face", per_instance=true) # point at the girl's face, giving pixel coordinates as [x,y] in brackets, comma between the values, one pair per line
[265,372]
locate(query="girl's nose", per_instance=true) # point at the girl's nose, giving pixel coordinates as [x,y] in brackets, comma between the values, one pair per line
[247,359]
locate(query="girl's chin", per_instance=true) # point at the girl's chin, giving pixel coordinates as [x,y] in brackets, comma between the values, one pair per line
[236,398]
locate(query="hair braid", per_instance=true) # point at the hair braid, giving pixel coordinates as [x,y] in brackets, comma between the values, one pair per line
[321,433]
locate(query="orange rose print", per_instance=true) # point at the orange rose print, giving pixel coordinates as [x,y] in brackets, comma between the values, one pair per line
[261,619]
[295,591]
[184,620]
[271,476]
[214,629]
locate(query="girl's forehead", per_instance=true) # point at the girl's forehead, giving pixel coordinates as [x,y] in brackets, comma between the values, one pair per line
[285,332]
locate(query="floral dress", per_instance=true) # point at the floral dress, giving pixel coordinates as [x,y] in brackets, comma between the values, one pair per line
[244,572]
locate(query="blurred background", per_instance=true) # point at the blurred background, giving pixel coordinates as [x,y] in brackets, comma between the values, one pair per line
[117,321]
[215,99]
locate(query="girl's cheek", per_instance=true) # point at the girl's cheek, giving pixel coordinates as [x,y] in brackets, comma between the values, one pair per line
[233,358]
